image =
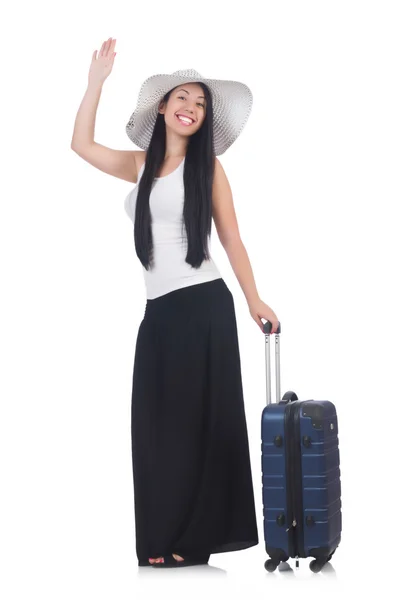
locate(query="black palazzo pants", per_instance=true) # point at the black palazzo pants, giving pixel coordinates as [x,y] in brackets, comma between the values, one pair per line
[193,490]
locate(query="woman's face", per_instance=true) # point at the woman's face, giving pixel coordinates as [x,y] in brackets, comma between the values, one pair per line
[187,100]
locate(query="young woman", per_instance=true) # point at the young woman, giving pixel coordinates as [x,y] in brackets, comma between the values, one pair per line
[193,490]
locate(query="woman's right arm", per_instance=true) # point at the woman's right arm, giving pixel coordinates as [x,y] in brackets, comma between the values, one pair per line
[119,163]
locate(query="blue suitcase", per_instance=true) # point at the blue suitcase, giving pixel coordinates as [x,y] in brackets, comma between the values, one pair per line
[301,488]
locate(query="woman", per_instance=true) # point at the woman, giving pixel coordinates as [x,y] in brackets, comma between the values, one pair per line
[193,491]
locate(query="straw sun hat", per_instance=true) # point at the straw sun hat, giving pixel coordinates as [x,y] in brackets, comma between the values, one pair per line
[232,103]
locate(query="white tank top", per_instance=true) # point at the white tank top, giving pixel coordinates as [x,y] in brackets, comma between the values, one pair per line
[170,271]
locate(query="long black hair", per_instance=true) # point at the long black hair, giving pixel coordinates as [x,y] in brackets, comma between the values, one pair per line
[198,176]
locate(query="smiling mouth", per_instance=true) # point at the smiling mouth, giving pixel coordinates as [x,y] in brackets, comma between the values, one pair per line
[186,123]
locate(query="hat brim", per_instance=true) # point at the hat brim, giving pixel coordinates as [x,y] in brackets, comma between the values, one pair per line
[232,104]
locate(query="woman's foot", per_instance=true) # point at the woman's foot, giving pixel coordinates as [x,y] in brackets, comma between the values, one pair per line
[161,559]
[174,560]
[156,560]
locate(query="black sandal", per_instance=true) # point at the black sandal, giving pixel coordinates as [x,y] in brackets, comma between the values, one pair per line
[189,561]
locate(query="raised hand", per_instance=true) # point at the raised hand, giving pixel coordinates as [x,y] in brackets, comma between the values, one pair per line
[101,66]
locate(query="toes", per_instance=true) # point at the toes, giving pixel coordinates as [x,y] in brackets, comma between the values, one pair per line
[177,557]
[156,560]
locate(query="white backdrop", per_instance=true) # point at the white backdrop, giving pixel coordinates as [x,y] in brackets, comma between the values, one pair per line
[313,176]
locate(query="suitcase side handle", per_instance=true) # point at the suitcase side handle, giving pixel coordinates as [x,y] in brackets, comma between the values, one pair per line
[289,397]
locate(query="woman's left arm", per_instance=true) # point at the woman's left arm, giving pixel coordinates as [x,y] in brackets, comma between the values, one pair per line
[227,228]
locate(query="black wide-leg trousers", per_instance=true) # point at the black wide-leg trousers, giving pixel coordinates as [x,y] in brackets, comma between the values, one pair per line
[193,490]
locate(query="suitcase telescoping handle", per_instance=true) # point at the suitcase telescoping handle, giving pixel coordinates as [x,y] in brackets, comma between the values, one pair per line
[288,396]
[267,327]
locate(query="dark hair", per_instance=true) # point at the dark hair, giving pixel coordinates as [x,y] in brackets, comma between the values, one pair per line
[198,176]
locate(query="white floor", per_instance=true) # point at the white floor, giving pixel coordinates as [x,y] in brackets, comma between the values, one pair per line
[81,567]
[243,573]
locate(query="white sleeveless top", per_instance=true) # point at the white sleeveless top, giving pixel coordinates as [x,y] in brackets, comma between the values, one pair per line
[170,271]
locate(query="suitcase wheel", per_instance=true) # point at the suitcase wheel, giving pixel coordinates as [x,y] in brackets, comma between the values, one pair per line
[317,565]
[271,565]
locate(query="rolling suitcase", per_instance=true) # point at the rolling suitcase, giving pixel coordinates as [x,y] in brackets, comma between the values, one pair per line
[301,488]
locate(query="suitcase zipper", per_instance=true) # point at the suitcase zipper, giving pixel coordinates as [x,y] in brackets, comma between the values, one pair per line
[294,480]
[289,481]
[293,525]
[297,468]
